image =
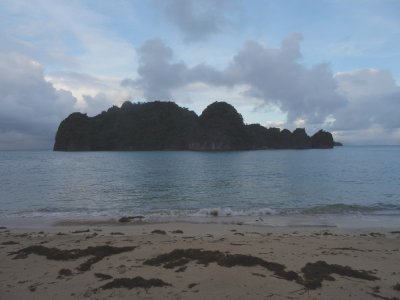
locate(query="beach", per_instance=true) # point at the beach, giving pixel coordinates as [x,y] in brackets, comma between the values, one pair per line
[182,260]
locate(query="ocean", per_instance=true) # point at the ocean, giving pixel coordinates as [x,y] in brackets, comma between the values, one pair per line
[351,186]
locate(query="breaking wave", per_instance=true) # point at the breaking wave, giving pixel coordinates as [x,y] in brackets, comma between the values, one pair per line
[175,214]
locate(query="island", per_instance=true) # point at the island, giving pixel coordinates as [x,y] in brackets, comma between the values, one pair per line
[163,125]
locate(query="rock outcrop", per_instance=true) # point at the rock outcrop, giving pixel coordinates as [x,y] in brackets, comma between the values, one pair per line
[322,139]
[166,126]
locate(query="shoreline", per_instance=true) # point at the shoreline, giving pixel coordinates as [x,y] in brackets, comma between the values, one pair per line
[342,221]
[234,261]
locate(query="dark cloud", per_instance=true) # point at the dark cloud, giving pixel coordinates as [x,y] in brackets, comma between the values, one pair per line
[31,108]
[158,74]
[198,20]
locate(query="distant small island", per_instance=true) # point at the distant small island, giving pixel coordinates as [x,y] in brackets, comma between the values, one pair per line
[167,126]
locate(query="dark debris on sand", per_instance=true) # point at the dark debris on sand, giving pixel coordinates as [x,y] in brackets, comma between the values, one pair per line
[348,249]
[158,231]
[102,276]
[81,231]
[98,253]
[9,243]
[181,269]
[382,297]
[136,282]
[314,273]
[64,273]
[180,257]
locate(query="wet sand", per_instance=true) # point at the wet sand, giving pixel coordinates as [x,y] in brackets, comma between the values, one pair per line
[198,261]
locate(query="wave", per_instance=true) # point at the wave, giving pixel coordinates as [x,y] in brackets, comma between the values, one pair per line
[214,212]
[341,208]
[150,214]
[229,212]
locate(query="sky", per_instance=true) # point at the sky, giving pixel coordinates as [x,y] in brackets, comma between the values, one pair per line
[330,64]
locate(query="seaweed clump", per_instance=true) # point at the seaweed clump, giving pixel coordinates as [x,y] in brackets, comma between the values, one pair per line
[136,282]
[180,257]
[102,276]
[98,253]
[315,273]
[159,231]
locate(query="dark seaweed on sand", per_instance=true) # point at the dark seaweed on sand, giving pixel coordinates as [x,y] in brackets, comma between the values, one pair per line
[136,282]
[81,231]
[314,273]
[98,253]
[180,257]
[9,243]
[102,276]
[64,273]
[159,231]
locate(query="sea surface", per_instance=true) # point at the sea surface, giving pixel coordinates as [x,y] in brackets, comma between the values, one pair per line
[352,186]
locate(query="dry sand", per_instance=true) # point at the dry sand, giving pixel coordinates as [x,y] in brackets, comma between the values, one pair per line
[227,261]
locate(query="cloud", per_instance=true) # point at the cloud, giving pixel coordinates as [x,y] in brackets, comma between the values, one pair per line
[272,75]
[31,108]
[277,77]
[374,100]
[199,20]
[67,35]
[103,100]
[373,135]
[158,74]
[93,93]
[274,78]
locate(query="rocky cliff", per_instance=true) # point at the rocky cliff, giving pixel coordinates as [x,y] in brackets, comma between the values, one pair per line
[166,126]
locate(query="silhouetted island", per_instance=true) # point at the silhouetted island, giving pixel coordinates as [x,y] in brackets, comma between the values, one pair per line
[166,126]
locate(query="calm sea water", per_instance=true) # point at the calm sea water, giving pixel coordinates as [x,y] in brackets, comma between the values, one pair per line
[260,185]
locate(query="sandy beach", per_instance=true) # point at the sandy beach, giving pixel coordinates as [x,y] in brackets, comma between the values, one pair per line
[198,261]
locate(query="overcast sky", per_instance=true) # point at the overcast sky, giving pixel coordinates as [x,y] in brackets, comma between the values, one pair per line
[331,64]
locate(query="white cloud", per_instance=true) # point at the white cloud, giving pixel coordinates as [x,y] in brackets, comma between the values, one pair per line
[93,93]
[66,35]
